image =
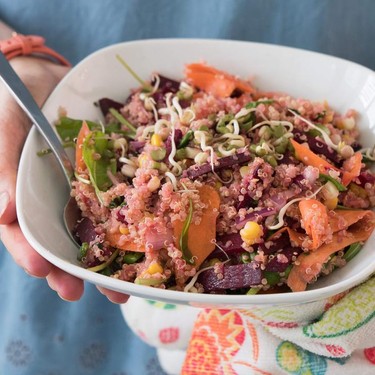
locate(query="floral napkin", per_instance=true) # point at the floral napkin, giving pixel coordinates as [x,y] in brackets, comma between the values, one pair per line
[333,336]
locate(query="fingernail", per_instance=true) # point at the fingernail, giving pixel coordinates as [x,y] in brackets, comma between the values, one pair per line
[4,201]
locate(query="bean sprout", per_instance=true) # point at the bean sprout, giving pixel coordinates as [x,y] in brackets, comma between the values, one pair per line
[283,210]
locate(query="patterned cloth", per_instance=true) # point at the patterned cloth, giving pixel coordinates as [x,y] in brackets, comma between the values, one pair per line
[332,336]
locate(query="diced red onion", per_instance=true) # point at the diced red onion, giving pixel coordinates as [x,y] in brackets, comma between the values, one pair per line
[254,216]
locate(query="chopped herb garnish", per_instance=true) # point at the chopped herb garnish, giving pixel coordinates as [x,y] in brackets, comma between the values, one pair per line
[98,162]
[146,87]
[104,265]
[83,250]
[184,236]
[46,151]
[352,251]
[122,120]
[117,202]
[325,177]
[256,103]
[132,257]
[186,139]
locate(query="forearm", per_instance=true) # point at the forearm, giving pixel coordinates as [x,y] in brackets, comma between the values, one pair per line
[5,31]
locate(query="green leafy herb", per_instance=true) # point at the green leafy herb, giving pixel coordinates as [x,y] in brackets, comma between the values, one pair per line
[146,87]
[83,251]
[253,291]
[272,277]
[184,236]
[186,139]
[122,120]
[68,128]
[325,177]
[117,202]
[98,161]
[132,257]
[46,151]
[352,251]
[341,207]
[317,133]
[104,265]
[256,103]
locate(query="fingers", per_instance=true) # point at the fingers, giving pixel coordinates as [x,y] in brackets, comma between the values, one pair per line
[68,287]
[114,297]
[23,254]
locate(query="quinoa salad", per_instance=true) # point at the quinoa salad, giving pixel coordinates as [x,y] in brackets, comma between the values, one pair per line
[210,185]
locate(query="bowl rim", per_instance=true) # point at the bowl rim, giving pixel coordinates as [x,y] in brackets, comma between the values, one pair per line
[288,298]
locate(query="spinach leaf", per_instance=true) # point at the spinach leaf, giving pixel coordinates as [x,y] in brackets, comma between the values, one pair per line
[68,128]
[98,161]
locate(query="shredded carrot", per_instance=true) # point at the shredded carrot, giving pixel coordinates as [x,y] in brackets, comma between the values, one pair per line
[201,237]
[308,265]
[315,220]
[83,133]
[214,81]
[340,219]
[114,241]
[307,157]
[351,168]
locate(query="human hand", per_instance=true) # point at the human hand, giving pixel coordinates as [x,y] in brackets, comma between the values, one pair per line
[41,77]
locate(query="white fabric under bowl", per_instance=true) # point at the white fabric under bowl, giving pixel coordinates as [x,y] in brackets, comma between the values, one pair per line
[42,191]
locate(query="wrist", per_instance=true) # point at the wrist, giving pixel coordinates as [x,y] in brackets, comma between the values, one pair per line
[39,75]
[29,45]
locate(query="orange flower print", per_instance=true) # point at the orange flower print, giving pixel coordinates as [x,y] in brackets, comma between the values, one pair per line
[217,337]
[203,356]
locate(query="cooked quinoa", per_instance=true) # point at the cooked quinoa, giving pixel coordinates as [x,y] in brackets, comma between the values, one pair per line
[147,180]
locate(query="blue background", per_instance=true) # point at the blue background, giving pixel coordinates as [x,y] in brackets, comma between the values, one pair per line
[43,335]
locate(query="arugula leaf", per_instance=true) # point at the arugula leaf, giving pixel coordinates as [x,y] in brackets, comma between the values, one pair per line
[68,128]
[186,254]
[98,161]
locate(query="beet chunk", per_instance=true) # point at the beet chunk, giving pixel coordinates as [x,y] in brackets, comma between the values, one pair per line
[85,230]
[232,277]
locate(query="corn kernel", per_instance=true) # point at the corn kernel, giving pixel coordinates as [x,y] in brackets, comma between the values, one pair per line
[123,229]
[155,268]
[251,232]
[218,185]
[156,140]
[331,203]
[244,170]
[142,160]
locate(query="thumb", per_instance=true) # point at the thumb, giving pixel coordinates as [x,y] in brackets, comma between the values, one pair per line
[14,127]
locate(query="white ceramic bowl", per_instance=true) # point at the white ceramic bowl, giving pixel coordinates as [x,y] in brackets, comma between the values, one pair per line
[42,191]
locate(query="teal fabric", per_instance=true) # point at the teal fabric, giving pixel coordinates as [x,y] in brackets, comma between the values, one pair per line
[43,335]
[76,28]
